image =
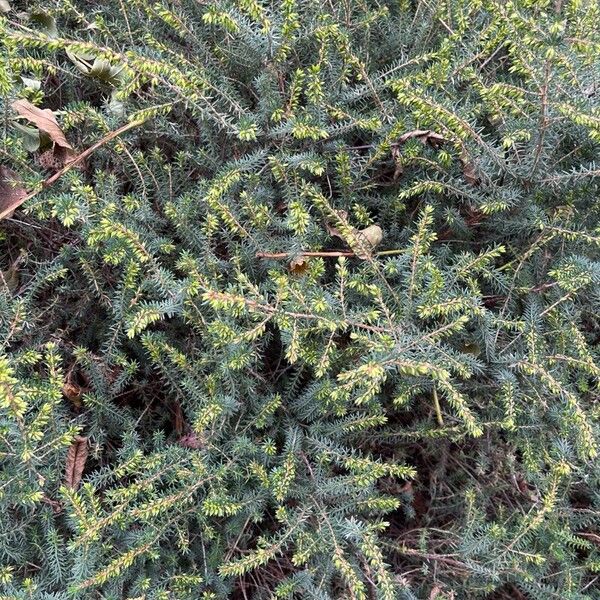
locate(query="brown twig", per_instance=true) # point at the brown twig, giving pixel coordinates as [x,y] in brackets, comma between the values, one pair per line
[449,560]
[544,122]
[326,253]
[72,163]
[594,537]
[323,254]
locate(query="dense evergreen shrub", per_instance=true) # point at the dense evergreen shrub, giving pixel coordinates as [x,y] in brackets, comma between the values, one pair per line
[191,406]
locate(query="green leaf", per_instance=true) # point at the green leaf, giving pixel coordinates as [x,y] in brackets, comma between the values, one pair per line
[32,84]
[116,106]
[29,135]
[83,61]
[46,22]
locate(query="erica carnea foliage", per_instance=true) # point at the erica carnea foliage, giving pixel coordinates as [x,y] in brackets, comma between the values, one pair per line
[193,407]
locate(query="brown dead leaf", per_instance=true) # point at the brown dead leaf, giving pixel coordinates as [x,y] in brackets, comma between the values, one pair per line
[76,457]
[367,240]
[399,170]
[178,420]
[74,386]
[11,192]
[425,136]
[72,392]
[525,488]
[43,119]
[299,265]
[470,173]
[417,499]
[435,592]
[334,231]
[9,280]
[469,170]
[362,242]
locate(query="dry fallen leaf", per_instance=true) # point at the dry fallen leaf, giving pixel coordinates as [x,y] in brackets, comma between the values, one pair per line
[469,170]
[72,393]
[74,388]
[470,173]
[425,136]
[299,265]
[11,192]
[9,279]
[372,235]
[435,592]
[76,457]
[362,242]
[525,488]
[43,119]
[334,231]
[399,170]
[178,421]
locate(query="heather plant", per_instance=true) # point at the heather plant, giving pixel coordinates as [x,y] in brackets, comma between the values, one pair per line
[299,299]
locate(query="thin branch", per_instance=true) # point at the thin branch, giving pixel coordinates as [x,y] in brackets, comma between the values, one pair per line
[323,254]
[438,409]
[72,163]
